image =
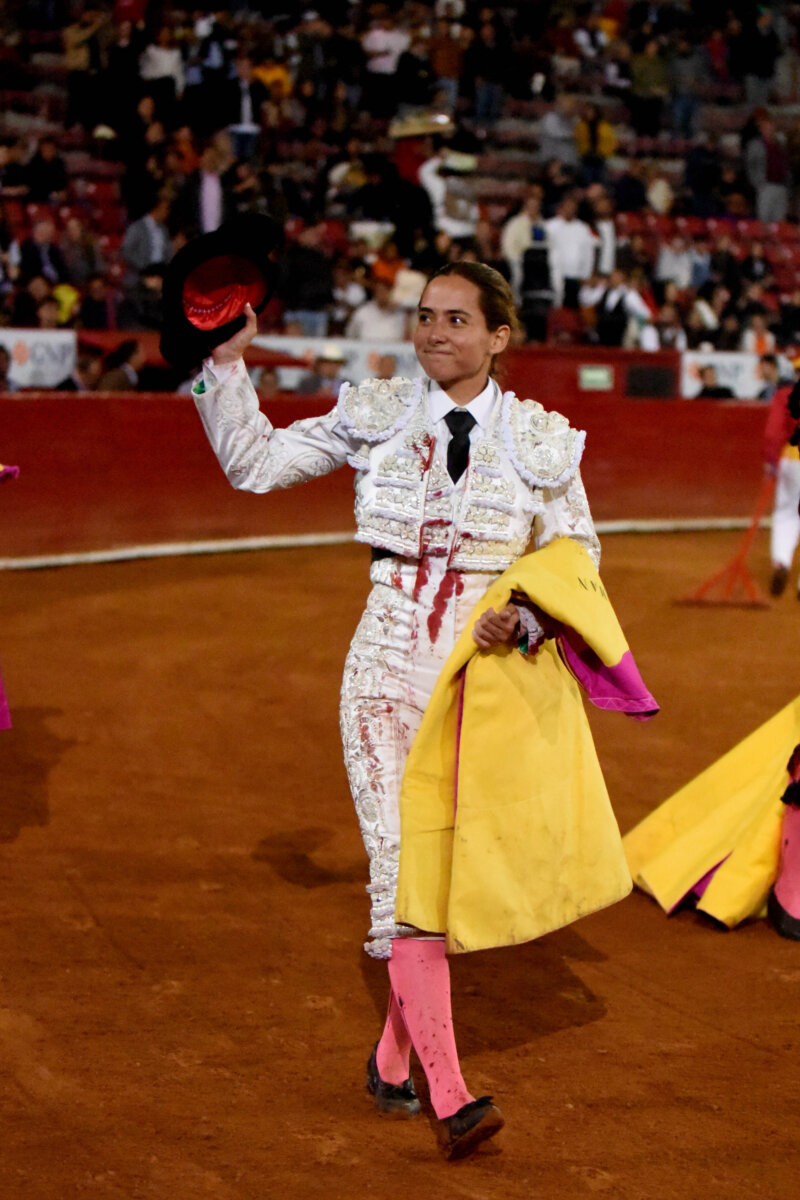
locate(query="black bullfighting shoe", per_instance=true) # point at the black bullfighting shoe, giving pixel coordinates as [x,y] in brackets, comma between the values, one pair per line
[391,1099]
[474,1123]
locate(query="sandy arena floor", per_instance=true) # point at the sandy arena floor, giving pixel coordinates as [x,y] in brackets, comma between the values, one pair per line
[185,1009]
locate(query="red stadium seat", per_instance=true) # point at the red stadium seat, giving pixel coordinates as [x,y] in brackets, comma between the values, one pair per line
[751,228]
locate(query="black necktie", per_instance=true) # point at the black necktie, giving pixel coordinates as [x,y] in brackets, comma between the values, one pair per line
[459,422]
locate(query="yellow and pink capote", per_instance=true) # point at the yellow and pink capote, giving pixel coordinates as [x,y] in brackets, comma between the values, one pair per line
[507,827]
[718,839]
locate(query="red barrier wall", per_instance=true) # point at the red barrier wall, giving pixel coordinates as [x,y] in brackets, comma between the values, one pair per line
[121,469]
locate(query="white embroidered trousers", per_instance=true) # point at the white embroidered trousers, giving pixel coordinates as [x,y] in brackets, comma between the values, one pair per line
[785,519]
[414,614]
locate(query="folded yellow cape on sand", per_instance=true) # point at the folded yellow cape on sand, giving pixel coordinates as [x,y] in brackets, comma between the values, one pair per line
[533,843]
[729,814]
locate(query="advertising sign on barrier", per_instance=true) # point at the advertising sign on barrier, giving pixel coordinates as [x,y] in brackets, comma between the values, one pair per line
[40,358]
[733,370]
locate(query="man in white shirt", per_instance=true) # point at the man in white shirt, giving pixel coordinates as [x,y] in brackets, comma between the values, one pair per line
[614,302]
[453,214]
[573,247]
[383,43]
[379,319]
[518,234]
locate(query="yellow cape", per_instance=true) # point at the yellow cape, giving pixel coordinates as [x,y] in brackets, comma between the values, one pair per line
[533,844]
[732,811]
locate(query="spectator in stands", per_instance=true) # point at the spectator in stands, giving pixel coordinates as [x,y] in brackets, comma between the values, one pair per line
[617,78]
[669,329]
[141,307]
[674,262]
[630,191]
[790,319]
[145,174]
[98,308]
[453,213]
[768,171]
[383,43]
[701,177]
[147,241]
[763,50]
[633,254]
[243,102]
[9,253]
[122,368]
[40,254]
[556,134]
[47,313]
[446,59]
[725,265]
[415,77]
[306,288]
[660,193]
[716,50]
[685,67]
[86,373]
[649,89]
[46,174]
[590,37]
[700,258]
[83,61]
[729,334]
[13,184]
[379,319]
[770,376]
[605,228]
[80,249]
[572,253]
[247,189]
[204,201]
[120,81]
[711,310]
[758,338]
[26,301]
[596,142]
[348,293]
[709,388]
[520,233]
[615,304]
[754,267]
[162,72]
[751,302]
[485,71]
[327,376]
[6,384]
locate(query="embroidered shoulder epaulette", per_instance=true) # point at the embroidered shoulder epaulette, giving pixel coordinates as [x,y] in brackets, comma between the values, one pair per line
[542,445]
[377,409]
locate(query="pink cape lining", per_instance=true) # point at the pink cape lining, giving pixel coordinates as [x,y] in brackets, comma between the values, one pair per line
[619,688]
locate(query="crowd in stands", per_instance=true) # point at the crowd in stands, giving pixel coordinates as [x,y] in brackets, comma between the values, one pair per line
[632,167]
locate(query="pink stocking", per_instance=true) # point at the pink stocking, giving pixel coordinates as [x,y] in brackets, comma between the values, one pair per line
[420,975]
[787,885]
[394,1048]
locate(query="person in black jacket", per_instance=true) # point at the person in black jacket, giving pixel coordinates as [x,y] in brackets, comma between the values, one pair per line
[40,255]
[306,287]
[242,107]
[46,174]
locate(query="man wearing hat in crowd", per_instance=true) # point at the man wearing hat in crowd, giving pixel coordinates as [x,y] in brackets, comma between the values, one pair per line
[326,375]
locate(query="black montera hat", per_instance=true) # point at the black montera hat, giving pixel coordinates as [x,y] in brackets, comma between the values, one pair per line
[209,282]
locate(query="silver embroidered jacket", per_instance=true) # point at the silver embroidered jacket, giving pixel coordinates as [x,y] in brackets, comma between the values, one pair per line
[523,468]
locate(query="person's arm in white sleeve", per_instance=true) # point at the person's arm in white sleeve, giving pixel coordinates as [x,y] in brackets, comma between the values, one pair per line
[254,455]
[567,514]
